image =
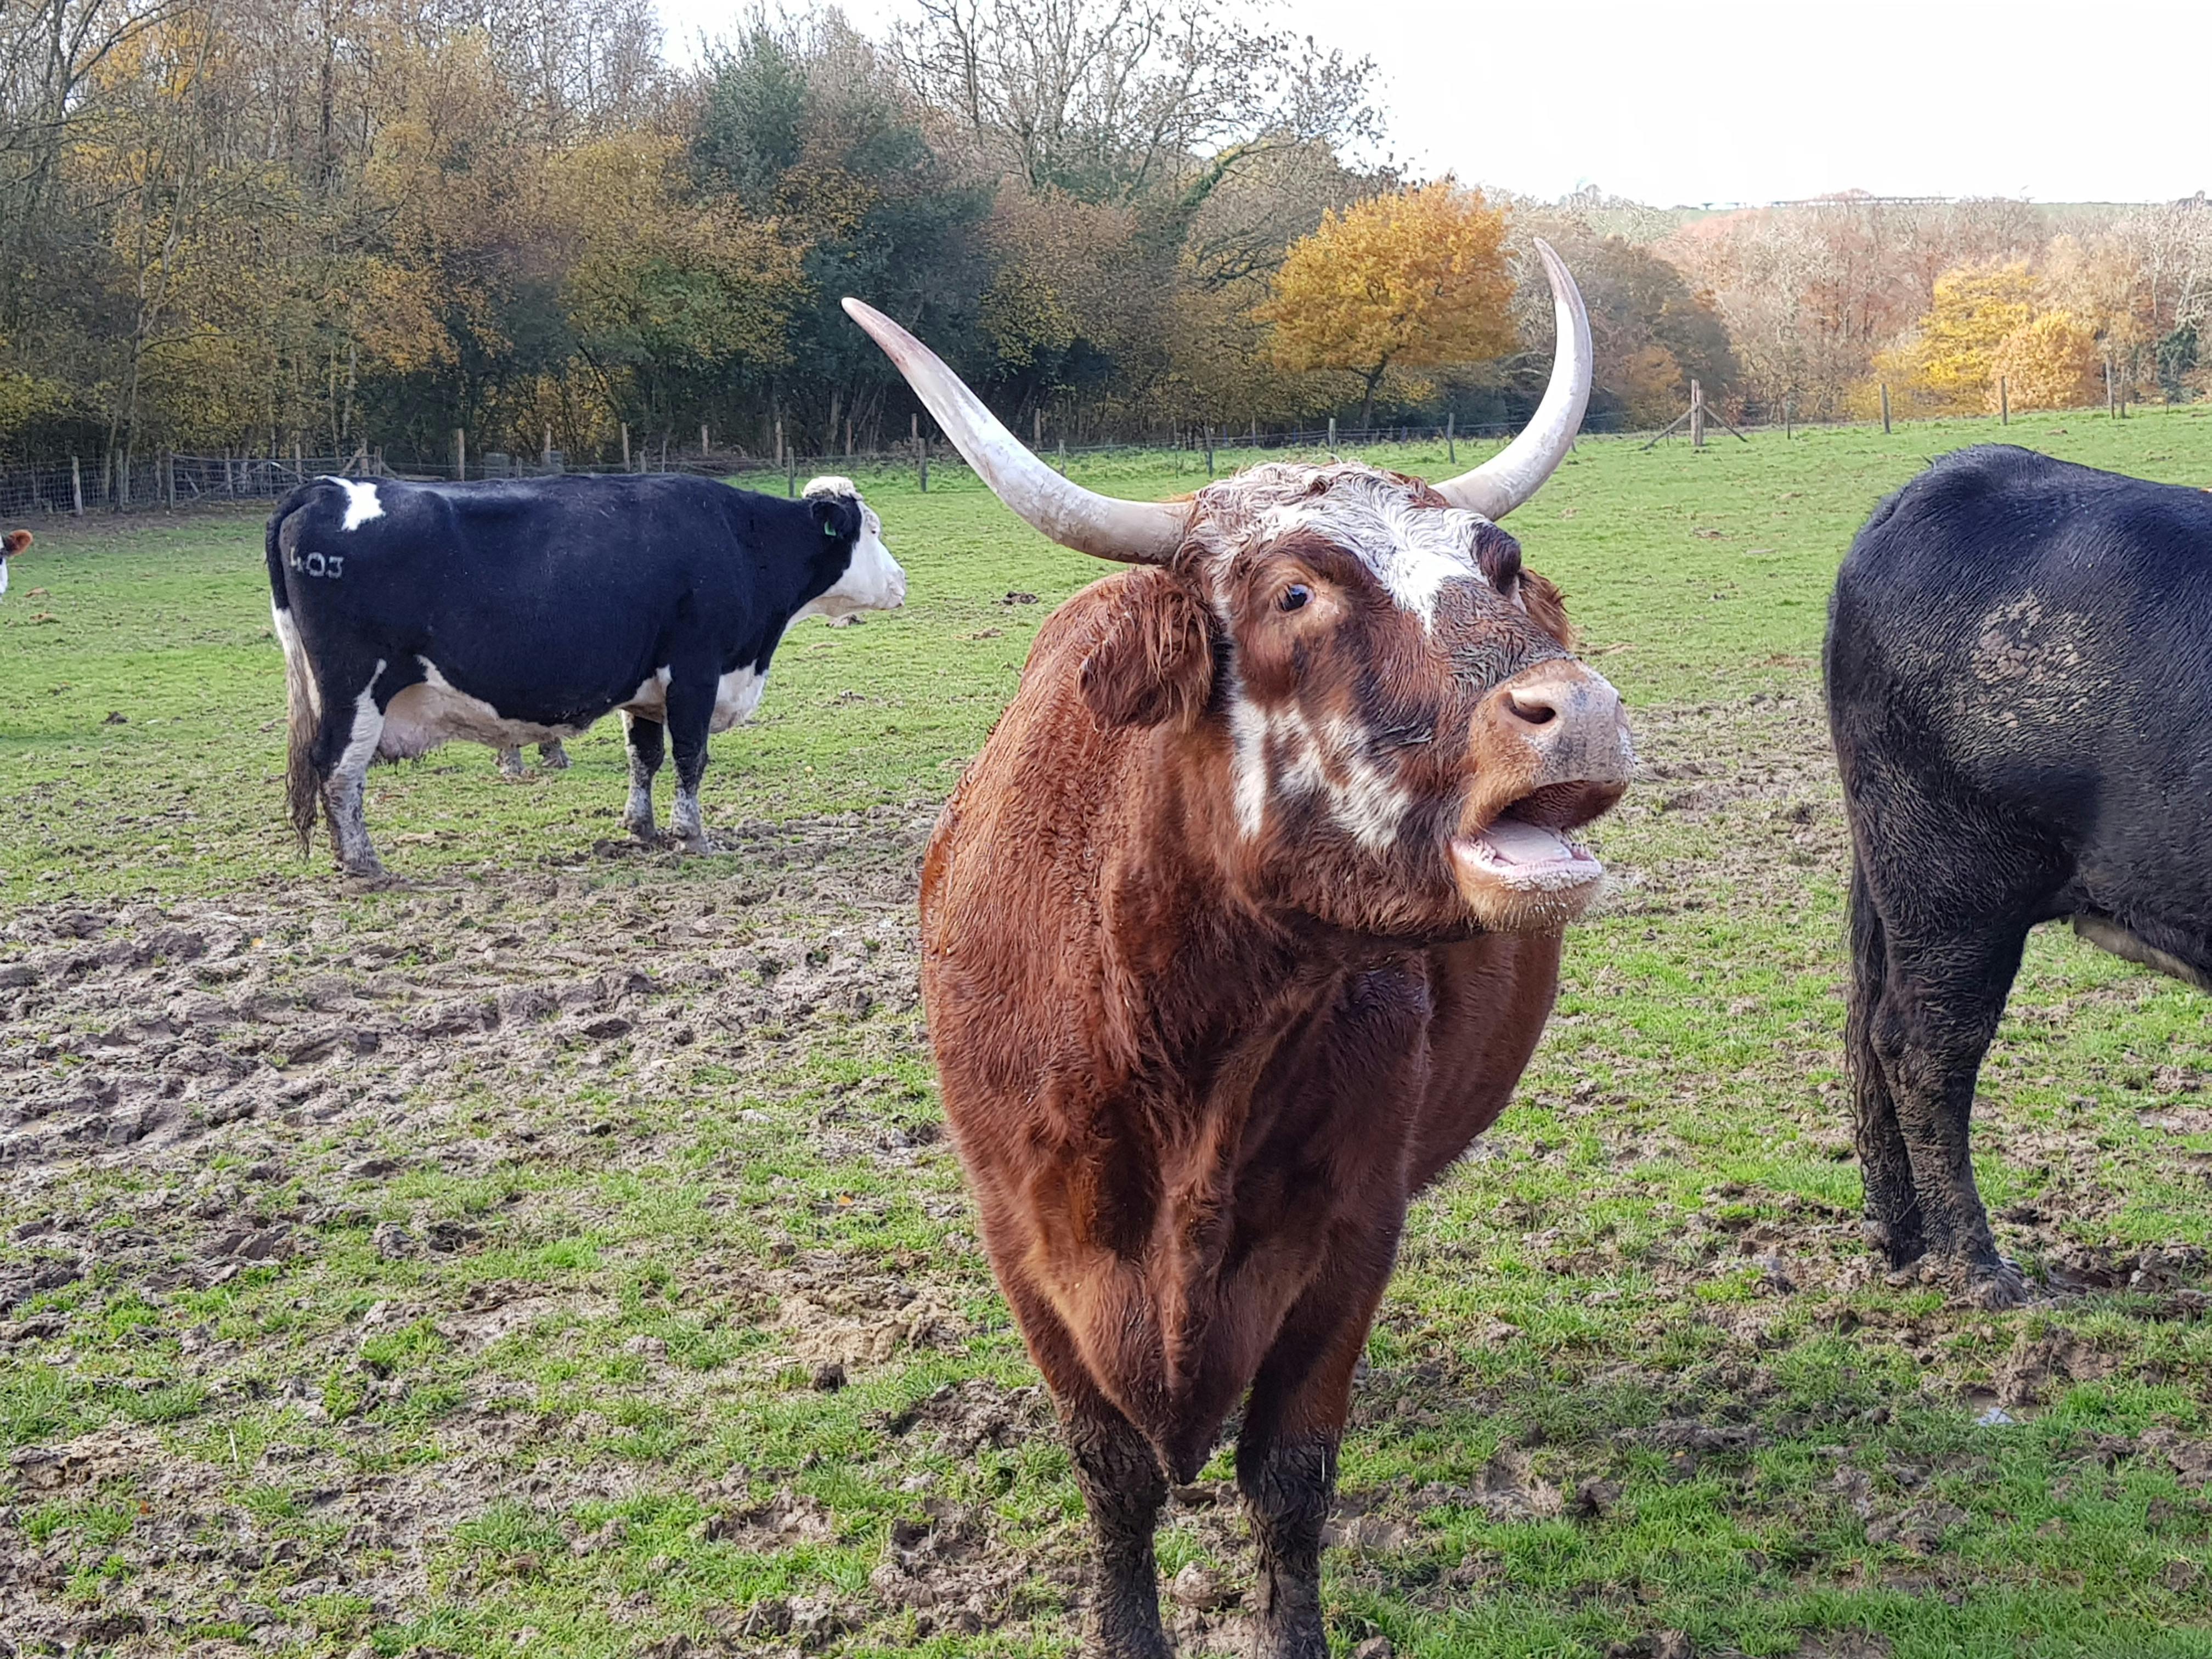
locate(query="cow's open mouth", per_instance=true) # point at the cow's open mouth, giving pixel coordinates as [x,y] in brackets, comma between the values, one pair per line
[1516,853]
[1530,848]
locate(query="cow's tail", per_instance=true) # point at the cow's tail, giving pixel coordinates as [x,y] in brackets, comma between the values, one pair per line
[1869,968]
[303,784]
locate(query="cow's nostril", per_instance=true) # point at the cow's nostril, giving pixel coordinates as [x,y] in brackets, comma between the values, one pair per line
[1532,706]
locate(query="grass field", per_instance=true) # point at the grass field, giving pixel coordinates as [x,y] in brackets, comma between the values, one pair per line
[558,1253]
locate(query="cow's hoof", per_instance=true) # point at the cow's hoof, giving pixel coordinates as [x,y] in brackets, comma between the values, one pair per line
[700,843]
[1996,1284]
[645,835]
[555,759]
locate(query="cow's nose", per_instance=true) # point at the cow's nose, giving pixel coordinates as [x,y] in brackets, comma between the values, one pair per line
[1570,717]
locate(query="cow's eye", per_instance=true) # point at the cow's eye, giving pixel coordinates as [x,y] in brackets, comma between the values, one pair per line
[1294,597]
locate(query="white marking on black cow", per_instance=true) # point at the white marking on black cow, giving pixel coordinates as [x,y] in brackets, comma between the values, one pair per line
[873,580]
[361,502]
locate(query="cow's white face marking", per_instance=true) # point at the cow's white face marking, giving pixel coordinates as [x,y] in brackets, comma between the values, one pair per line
[1415,552]
[421,717]
[1279,751]
[872,580]
[361,502]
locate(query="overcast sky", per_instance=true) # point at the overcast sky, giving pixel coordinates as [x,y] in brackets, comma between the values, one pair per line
[1721,100]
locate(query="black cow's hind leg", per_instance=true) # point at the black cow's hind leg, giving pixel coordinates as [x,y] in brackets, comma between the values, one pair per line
[551,757]
[345,743]
[1940,1006]
[510,763]
[646,739]
[1893,1208]
[690,710]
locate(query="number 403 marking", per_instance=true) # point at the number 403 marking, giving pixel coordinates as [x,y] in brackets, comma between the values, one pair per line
[320,565]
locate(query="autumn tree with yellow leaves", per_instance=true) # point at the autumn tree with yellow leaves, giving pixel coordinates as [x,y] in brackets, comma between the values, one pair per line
[1414,279]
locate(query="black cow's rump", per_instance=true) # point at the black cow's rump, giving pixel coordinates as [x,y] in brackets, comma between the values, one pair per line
[2018,696]
[521,612]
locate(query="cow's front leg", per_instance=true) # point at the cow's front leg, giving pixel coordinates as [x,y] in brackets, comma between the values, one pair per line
[1123,1490]
[1120,1476]
[1286,1451]
[646,741]
[691,709]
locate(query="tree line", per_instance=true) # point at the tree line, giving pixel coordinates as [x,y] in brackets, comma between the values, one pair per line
[241,226]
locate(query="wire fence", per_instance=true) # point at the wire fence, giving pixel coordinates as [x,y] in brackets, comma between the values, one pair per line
[166,483]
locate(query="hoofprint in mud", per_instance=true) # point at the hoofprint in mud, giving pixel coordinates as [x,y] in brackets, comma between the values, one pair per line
[513,612]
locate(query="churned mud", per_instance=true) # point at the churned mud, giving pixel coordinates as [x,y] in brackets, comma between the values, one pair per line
[368,1251]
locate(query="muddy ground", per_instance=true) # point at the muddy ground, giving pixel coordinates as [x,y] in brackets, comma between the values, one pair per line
[326,1209]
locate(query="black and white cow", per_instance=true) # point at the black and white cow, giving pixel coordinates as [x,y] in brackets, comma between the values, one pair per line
[10,544]
[513,612]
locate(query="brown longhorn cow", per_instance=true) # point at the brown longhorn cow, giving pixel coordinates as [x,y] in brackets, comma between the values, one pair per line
[1242,926]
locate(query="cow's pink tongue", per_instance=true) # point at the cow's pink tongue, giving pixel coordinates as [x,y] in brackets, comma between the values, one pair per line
[1512,841]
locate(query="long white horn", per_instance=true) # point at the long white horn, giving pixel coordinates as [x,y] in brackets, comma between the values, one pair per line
[1518,471]
[1135,533]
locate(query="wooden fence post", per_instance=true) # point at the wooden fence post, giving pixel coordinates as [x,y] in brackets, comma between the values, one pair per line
[2004,402]
[921,452]
[778,440]
[1063,457]
[2109,411]
[76,487]
[299,462]
[625,432]
[1209,449]
[1884,408]
[169,478]
[1451,434]
[1787,431]
[1697,416]
[461,454]
[1036,427]
[1332,434]
[545,458]
[791,473]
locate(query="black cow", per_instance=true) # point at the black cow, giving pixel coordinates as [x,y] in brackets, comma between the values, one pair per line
[505,613]
[2018,691]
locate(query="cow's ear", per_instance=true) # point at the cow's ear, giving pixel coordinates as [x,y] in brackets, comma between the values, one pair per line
[1547,607]
[1156,661]
[838,517]
[14,542]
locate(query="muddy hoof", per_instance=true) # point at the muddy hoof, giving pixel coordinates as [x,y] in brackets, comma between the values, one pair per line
[553,758]
[1998,1285]
[646,835]
[700,843]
